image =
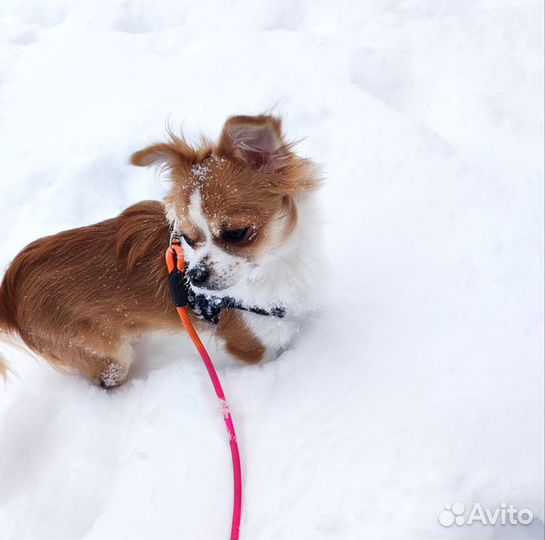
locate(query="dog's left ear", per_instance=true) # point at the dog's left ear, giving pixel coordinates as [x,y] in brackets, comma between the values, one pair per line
[256,141]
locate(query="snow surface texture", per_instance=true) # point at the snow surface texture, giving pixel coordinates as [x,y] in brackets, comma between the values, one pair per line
[421,381]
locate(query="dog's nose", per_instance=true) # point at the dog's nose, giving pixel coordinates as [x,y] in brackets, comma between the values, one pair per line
[198,274]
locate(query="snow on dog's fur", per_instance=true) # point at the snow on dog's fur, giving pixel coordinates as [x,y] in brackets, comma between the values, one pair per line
[78,298]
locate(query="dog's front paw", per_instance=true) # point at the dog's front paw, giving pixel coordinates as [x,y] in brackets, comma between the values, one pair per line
[250,355]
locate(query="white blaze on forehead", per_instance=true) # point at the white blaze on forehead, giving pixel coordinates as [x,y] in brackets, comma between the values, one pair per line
[227,268]
[196,215]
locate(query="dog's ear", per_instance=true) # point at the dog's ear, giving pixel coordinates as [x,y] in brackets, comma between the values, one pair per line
[171,154]
[157,154]
[256,141]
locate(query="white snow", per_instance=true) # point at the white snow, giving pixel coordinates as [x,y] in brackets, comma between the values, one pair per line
[419,384]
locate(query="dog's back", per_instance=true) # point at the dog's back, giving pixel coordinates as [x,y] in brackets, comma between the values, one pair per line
[48,293]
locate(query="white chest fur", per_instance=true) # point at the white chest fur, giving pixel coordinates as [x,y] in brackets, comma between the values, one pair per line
[291,279]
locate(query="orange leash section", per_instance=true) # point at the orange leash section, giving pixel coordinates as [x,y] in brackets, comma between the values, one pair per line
[176,271]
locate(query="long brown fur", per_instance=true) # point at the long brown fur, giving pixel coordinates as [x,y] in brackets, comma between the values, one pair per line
[72,296]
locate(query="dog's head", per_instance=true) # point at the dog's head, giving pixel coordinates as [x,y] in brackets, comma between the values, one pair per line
[235,202]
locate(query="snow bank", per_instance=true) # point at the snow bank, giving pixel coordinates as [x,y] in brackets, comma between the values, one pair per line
[420,383]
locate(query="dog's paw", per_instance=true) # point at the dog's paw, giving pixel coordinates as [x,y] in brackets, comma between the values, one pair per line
[115,374]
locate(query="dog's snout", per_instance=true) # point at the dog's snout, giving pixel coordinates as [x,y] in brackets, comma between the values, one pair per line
[199,274]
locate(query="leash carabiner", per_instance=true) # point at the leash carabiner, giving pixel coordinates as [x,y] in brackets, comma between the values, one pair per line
[174,255]
[175,261]
[177,281]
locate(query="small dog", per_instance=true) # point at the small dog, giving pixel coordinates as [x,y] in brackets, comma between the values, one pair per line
[249,232]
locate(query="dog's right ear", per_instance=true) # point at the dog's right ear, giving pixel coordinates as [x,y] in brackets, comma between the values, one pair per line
[170,154]
[173,153]
[156,154]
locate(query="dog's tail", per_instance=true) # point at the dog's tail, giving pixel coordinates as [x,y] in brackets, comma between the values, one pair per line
[8,322]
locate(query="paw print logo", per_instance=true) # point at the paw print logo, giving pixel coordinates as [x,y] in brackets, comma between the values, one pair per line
[453,513]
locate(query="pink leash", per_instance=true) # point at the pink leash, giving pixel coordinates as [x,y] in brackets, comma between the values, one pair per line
[237,472]
[178,286]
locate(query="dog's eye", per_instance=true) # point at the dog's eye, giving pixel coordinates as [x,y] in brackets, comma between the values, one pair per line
[190,242]
[237,236]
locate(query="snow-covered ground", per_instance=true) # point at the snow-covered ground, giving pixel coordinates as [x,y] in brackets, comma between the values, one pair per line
[418,385]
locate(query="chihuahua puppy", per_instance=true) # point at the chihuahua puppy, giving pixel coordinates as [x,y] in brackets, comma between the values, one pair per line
[244,211]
